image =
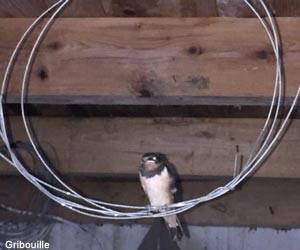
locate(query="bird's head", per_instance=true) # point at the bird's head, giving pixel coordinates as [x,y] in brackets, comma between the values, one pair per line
[151,161]
[152,157]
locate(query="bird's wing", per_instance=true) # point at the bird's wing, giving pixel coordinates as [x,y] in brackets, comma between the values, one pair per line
[173,188]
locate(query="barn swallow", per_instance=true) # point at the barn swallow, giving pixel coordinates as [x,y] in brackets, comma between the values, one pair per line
[159,186]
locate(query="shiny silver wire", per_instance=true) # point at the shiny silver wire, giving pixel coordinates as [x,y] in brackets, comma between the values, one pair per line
[69,198]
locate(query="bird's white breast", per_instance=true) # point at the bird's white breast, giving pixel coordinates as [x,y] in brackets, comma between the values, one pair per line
[158,188]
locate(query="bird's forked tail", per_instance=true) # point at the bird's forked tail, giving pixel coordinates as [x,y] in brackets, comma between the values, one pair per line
[174,226]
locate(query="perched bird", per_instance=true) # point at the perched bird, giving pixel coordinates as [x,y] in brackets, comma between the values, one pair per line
[159,186]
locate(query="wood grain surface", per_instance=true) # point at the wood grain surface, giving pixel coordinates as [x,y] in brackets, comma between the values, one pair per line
[148,8]
[158,61]
[114,146]
[257,203]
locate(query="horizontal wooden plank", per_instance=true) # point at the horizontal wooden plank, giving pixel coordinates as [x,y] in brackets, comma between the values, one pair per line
[197,147]
[238,8]
[258,202]
[114,8]
[147,8]
[153,61]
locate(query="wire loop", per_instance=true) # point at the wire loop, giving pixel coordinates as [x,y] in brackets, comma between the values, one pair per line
[69,198]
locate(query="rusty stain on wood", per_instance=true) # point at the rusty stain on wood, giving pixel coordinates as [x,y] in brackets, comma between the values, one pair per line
[43,73]
[195,50]
[56,45]
[147,85]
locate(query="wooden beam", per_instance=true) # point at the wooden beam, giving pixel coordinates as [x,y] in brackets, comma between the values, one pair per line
[154,61]
[259,202]
[279,8]
[147,8]
[113,8]
[114,146]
